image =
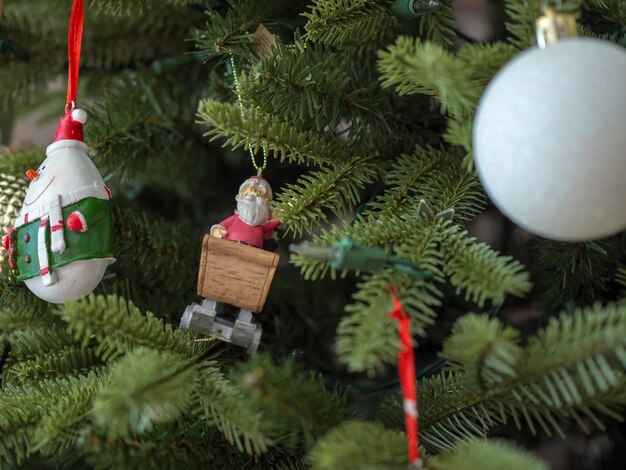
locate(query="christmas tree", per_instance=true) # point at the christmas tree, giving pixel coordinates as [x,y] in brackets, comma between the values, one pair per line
[364,111]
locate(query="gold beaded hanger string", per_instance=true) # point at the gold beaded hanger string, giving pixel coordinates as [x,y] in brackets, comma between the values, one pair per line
[257,167]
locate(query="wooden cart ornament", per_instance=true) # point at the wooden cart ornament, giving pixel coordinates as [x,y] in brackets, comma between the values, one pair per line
[236,274]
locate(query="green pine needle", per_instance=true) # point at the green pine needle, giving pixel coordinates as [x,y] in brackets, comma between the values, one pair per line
[412,66]
[486,455]
[119,326]
[358,444]
[573,369]
[484,349]
[308,202]
[145,388]
[339,21]
[254,131]
[438,26]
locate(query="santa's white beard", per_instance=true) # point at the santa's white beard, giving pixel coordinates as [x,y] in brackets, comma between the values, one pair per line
[253,210]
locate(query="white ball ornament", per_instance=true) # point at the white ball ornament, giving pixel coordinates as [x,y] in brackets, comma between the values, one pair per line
[550,140]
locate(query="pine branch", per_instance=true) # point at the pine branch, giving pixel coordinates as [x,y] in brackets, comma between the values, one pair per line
[263,405]
[220,403]
[432,175]
[338,21]
[574,368]
[367,338]
[33,339]
[369,231]
[24,69]
[254,131]
[412,66]
[405,179]
[460,133]
[145,123]
[522,25]
[483,61]
[40,348]
[435,176]
[225,36]
[118,139]
[232,34]
[24,409]
[178,444]
[119,326]
[296,401]
[18,414]
[438,25]
[71,360]
[19,306]
[574,271]
[145,250]
[480,271]
[615,37]
[135,39]
[146,387]
[486,455]
[314,88]
[13,166]
[61,426]
[358,444]
[620,277]
[469,266]
[613,11]
[306,204]
[20,310]
[484,349]
[134,7]
[39,29]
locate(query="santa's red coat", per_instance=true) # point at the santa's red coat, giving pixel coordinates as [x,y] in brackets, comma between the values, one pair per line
[240,231]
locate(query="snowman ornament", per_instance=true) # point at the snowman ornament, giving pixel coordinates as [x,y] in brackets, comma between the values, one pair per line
[62,242]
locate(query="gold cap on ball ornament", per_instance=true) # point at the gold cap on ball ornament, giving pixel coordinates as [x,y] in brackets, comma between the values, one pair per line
[549,138]
[554,26]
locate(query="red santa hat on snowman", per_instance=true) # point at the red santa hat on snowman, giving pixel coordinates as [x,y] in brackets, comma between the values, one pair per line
[71,126]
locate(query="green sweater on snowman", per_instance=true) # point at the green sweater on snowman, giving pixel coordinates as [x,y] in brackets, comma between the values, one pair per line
[96,241]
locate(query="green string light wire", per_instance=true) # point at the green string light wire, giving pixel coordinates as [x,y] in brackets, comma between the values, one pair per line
[257,167]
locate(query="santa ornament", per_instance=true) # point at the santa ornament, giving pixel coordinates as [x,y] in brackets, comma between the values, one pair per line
[62,242]
[234,269]
[251,223]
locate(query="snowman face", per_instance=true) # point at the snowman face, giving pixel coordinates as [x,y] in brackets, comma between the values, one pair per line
[66,169]
[39,185]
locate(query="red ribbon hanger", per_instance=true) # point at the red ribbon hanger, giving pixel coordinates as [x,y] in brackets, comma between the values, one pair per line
[74,44]
[406,373]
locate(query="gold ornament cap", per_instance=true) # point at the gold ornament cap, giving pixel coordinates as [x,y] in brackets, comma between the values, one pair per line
[553,26]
